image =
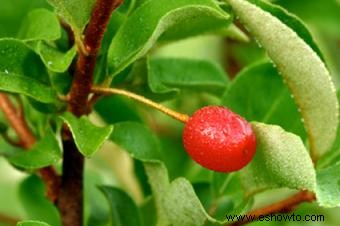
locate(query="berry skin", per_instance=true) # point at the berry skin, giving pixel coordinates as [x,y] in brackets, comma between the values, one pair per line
[218,139]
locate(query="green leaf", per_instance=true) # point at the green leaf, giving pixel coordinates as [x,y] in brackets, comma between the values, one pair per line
[176,202]
[88,137]
[227,190]
[54,59]
[137,140]
[333,156]
[292,21]
[258,94]
[27,86]
[40,24]
[171,75]
[17,58]
[97,211]
[36,205]
[183,206]
[76,12]
[115,109]
[148,210]
[44,153]
[281,160]
[13,12]
[159,182]
[322,15]
[156,18]
[123,209]
[234,33]
[32,223]
[302,69]
[328,186]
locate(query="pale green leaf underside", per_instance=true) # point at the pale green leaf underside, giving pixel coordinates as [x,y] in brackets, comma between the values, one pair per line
[153,19]
[27,86]
[177,204]
[158,179]
[88,137]
[302,70]
[328,186]
[182,204]
[76,12]
[167,75]
[281,160]
[40,24]
[32,223]
[44,153]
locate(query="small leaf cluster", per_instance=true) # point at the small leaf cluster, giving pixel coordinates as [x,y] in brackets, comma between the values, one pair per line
[137,172]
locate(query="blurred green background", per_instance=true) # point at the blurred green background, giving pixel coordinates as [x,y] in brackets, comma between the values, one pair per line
[322,17]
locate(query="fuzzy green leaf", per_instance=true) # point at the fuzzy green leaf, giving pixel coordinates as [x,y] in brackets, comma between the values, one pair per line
[88,137]
[159,181]
[168,75]
[156,18]
[76,12]
[40,24]
[176,202]
[302,70]
[328,186]
[183,206]
[258,94]
[333,156]
[44,153]
[281,160]
[123,209]
[53,59]
[137,140]
[27,86]
[32,223]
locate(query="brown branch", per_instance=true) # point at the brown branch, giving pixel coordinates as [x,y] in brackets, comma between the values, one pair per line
[283,206]
[94,33]
[8,220]
[27,140]
[70,201]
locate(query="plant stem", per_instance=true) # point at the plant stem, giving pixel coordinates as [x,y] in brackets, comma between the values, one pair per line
[283,206]
[107,91]
[94,33]
[27,139]
[8,220]
[70,202]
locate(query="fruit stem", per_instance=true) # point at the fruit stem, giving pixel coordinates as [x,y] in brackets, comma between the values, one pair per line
[174,114]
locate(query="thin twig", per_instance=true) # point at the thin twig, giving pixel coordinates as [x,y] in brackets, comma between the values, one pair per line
[27,140]
[107,91]
[283,206]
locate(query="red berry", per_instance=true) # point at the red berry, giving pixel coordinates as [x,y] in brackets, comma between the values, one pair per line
[219,139]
